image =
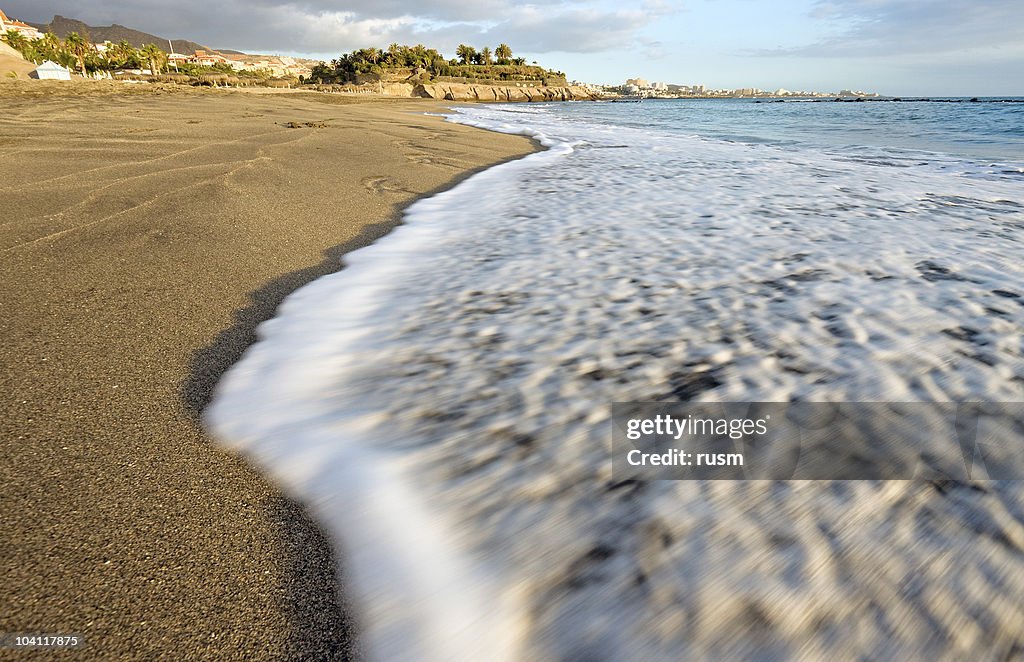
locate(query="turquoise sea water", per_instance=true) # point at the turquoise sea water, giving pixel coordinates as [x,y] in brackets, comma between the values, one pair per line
[992,128]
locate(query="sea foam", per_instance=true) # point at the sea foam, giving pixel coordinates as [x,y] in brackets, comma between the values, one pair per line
[442,403]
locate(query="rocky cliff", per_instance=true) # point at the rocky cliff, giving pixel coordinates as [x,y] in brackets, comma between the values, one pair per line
[466,92]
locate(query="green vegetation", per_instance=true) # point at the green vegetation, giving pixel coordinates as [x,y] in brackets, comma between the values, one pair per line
[79,48]
[154,57]
[421,64]
[122,56]
[76,52]
[196,70]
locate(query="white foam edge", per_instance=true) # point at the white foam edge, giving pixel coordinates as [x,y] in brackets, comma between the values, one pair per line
[418,594]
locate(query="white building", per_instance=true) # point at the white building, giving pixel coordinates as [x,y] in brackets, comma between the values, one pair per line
[25,29]
[174,59]
[51,71]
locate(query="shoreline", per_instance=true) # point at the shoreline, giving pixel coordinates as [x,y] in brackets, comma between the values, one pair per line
[137,276]
[370,504]
[394,91]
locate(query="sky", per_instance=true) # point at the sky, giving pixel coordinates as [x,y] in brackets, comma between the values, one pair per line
[897,47]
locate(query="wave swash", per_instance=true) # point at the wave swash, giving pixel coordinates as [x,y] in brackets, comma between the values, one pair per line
[442,403]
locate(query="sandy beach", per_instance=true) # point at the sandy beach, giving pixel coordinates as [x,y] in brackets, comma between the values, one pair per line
[145,233]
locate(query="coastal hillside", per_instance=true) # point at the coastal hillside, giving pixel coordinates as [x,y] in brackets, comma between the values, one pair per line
[63,26]
[419,65]
[419,71]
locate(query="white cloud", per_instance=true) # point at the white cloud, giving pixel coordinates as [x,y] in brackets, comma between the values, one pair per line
[870,28]
[574,30]
[328,26]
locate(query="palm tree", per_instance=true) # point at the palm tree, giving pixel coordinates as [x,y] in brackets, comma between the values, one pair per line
[394,54]
[32,52]
[49,45]
[65,59]
[466,53]
[122,54]
[420,56]
[16,40]
[150,53]
[77,47]
[503,52]
[485,56]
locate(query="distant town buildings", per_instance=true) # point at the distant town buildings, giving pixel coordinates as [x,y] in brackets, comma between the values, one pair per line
[273,64]
[644,88]
[25,29]
[208,59]
[277,65]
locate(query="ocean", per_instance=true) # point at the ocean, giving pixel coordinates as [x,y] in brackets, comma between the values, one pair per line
[443,402]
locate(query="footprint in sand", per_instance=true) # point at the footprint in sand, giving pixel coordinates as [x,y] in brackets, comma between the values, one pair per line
[420,157]
[382,185]
[410,149]
[429,133]
[409,152]
[426,159]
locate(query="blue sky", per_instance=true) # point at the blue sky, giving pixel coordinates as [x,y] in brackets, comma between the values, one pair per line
[907,47]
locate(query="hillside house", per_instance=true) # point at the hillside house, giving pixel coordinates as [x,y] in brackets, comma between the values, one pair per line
[208,59]
[24,28]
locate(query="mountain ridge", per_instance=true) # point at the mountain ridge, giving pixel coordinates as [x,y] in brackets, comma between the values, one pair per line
[61,26]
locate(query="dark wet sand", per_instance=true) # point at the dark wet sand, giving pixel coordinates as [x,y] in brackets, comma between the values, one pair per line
[143,237]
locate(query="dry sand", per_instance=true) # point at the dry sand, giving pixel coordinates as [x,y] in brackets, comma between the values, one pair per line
[12,65]
[144,235]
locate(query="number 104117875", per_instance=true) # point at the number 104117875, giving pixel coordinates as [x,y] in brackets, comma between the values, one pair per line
[34,640]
